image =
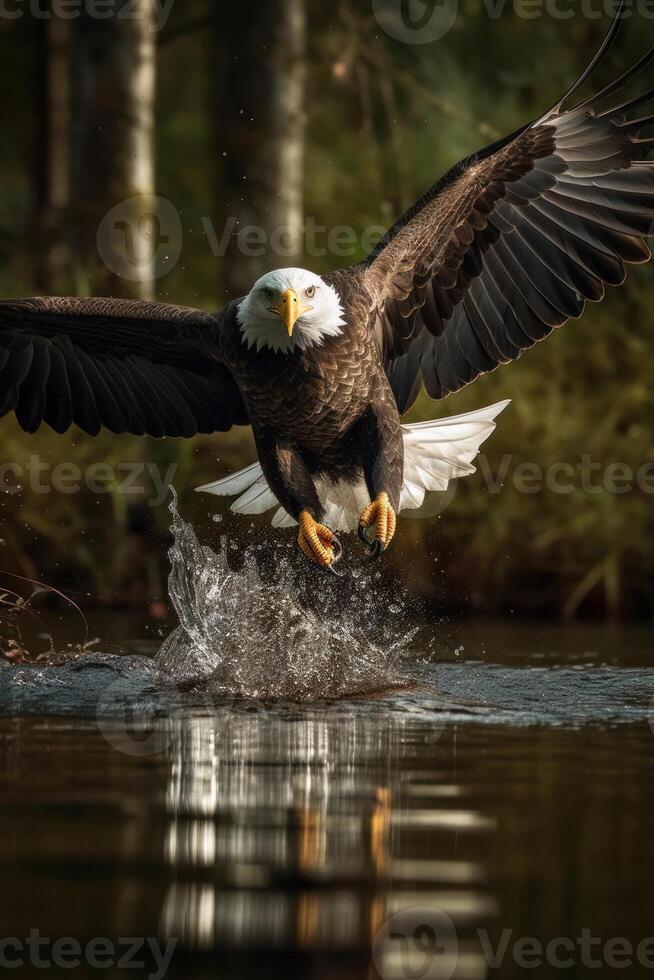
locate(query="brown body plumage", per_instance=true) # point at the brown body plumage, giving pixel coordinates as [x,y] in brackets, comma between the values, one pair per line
[329,410]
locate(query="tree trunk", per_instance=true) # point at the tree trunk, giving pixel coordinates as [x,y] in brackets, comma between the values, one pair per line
[259,137]
[116,233]
[53,261]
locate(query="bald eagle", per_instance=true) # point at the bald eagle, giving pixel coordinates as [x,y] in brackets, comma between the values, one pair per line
[506,246]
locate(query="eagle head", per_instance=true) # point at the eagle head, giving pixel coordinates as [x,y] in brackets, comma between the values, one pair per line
[288,310]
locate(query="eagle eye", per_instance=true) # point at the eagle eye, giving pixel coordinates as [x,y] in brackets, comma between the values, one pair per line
[311,292]
[270,294]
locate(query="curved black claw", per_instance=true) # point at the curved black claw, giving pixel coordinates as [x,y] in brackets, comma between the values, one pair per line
[377,548]
[363,536]
[338,554]
[374,546]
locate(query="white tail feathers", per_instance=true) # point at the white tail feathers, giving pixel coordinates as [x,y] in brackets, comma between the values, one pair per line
[434,453]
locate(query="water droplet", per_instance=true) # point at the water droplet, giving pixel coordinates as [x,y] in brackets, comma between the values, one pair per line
[242,636]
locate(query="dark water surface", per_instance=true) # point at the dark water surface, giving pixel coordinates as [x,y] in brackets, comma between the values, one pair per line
[420,834]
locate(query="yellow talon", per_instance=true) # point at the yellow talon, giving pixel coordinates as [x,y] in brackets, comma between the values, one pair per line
[380,515]
[316,540]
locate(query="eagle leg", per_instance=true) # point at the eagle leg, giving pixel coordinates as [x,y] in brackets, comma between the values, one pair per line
[379,517]
[318,542]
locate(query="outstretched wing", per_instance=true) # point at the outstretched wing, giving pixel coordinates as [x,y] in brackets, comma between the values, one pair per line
[142,368]
[512,242]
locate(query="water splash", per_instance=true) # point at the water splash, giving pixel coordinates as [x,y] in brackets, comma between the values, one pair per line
[295,634]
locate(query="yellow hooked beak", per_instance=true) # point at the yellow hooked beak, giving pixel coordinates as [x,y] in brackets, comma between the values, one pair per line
[290,308]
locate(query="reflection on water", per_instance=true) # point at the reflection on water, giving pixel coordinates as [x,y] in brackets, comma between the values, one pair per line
[306,824]
[365,839]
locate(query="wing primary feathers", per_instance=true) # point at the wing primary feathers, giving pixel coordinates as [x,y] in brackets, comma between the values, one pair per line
[129,366]
[636,125]
[110,414]
[118,379]
[628,105]
[515,239]
[85,410]
[32,391]
[176,406]
[611,36]
[59,402]
[14,372]
[620,82]
[159,422]
[626,224]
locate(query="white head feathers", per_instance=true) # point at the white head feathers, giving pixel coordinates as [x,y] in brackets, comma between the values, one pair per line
[260,314]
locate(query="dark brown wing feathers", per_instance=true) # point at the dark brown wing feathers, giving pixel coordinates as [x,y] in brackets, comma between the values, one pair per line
[512,242]
[128,366]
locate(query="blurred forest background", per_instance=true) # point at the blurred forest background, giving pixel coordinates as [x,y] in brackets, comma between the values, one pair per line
[272,114]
